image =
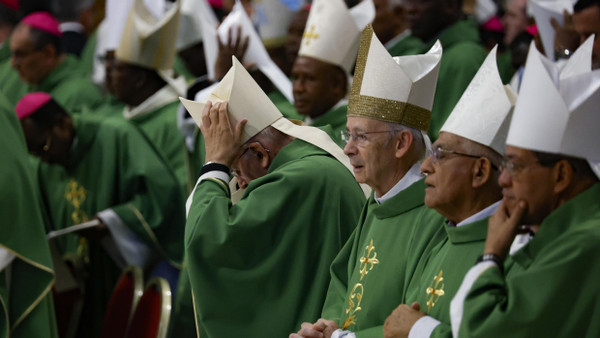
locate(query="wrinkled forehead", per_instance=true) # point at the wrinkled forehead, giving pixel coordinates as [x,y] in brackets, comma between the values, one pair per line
[361,123]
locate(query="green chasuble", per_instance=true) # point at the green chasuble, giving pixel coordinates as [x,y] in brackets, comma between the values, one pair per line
[442,269]
[113,166]
[260,267]
[11,85]
[70,88]
[336,118]
[284,106]
[111,107]
[86,61]
[5,51]
[550,288]
[26,307]
[370,275]
[462,56]
[505,67]
[409,45]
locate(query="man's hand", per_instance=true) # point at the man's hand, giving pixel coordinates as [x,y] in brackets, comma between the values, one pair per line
[322,328]
[221,139]
[503,226]
[402,319]
[566,37]
[229,48]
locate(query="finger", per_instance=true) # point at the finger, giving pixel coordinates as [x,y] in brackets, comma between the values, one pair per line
[307,330]
[244,47]
[205,116]
[238,38]
[568,19]
[239,130]
[416,306]
[214,113]
[517,214]
[229,37]
[554,24]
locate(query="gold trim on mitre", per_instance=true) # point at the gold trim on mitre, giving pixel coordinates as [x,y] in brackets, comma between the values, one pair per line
[379,108]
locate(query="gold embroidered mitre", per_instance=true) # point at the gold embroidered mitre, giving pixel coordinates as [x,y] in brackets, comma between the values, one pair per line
[394,89]
[149,41]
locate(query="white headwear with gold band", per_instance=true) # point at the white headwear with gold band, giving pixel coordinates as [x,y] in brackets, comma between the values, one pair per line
[149,41]
[484,110]
[332,32]
[394,89]
[247,101]
[557,112]
[543,11]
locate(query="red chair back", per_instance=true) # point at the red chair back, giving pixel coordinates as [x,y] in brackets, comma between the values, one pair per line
[122,303]
[151,317]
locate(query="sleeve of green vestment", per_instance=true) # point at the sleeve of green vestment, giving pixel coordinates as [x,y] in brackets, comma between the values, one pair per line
[554,297]
[154,207]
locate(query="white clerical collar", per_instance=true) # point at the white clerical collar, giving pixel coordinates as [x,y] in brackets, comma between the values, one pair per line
[480,215]
[412,175]
[161,98]
[397,38]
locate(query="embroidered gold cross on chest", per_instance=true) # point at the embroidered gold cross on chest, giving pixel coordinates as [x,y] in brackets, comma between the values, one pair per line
[368,261]
[435,290]
[308,35]
[75,193]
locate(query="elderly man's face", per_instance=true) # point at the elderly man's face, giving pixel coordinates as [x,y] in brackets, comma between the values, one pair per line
[32,65]
[371,156]
[450,177]
[587,22]
[314,86]
[250,163]
[527,181]
[514,20]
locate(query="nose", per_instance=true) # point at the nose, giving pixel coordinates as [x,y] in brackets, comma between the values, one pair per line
[505,179]
[427,166]
[298,85]
[350,148]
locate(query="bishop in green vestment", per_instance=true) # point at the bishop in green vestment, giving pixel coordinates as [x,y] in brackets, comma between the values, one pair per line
[26,273]
[109,170]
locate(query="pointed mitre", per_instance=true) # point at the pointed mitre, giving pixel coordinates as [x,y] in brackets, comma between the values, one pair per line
[149,41]
[557,112]
[190,23]
[273,18]
[484,110]
[246,100]
[399,89]
[332,32]
[543,11]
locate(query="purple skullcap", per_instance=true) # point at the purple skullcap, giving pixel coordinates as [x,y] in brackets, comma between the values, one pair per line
[43,21]
[30,103]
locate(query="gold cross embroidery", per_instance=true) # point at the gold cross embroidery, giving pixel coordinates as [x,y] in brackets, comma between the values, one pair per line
[367,261]
[307,35]
[75,193]
[435,291]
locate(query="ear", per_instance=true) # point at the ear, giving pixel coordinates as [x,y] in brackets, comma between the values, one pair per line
[262,155]
[562,175]
[482,172]
[340,83]
[403,142]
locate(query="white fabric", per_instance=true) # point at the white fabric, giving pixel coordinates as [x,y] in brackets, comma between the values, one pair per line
[543,10]
[412,175]
[71,26]
[484,111]
[130,249]
[458,302]
[273,18]
[397,38]
[193,12]
[339,333]
[164,96]
[115,18]
[6,257]
[557,110]
[519,242]
[488,211]
[485,10]
[256,52]
[423,327]
[211,174]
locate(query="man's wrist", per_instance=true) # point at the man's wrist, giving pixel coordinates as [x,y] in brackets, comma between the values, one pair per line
[212,166]
[492,257]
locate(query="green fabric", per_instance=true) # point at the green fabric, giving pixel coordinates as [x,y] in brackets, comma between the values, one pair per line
[505,67]
[11,85]
[450,259]
[336,118]
[26,309]
[160,126]
[462,56]
[182,323]
[194,161]
[284,106]
[111,107]
[399,230]
[70,88]
[181,69]
[112,165]
[5,52]
[410,45]
[261,267]
[551,285]
[86,60]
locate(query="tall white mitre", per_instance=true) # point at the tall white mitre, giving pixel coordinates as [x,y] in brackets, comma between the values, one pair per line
[542,11]
[394,89]
[246,100]
[332,32]
[484,111]
[149,41]
[191,22]
[557,110]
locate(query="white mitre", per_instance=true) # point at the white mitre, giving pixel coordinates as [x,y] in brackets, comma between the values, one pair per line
[273,18]
[332,32]
[557,111]
[542,11]
[394,89]
[193,13]
[484,111]
[147,40]
[246,100]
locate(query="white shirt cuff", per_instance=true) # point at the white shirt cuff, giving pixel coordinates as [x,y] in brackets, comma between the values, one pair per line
[423,327]
[223,176]
[343,334]
[124,246]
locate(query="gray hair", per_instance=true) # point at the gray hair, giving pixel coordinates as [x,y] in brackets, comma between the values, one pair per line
[474,148]
[418,140]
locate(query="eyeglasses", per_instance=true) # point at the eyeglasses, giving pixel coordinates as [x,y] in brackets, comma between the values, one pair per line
[361,137]
[514,167]
[438,154]
[235,172]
